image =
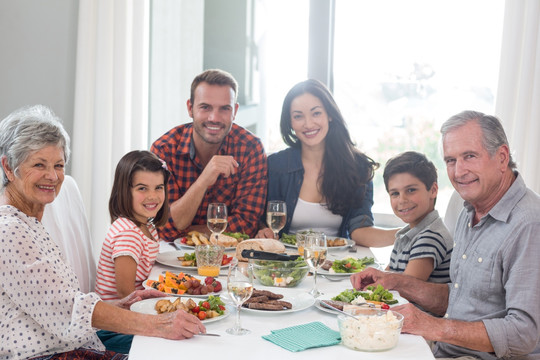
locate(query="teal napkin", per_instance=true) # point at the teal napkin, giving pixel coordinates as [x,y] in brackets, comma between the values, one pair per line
[306,336]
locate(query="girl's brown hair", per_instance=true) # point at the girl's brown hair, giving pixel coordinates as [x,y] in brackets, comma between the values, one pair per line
[121,201]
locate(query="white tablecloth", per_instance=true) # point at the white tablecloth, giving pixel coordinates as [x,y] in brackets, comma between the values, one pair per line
[253,346]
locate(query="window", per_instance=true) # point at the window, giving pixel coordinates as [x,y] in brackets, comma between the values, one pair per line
[398,68]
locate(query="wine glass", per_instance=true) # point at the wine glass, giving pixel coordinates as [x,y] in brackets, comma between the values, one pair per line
[216,218]
[276,216]
[315,254]
[240,288]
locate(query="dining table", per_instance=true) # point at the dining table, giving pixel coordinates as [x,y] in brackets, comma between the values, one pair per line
[261,323]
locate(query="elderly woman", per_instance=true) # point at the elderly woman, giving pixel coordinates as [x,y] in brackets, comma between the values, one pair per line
[43,311]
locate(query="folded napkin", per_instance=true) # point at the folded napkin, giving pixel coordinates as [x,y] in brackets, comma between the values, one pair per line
[306,336]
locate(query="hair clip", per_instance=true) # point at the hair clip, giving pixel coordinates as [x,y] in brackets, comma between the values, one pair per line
[164,164]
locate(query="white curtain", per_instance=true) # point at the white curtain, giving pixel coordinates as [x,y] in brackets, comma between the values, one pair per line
[518,97]
[111,99]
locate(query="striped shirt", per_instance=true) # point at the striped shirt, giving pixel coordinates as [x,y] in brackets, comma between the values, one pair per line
[429,239]
[124,238]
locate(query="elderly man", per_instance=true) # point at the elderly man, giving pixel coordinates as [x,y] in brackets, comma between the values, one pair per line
[491,308]
[213,160]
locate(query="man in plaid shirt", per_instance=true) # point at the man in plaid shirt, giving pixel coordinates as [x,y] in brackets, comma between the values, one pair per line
[213,160]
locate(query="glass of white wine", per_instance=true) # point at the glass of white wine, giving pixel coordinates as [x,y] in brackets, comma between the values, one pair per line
[276,216]
[240,288]
[216,218]
[315,251]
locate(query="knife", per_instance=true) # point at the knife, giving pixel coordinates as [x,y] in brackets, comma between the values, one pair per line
[264,255]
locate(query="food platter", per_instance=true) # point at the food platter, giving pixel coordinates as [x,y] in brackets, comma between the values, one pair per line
[178,242]
[401,301]
[147,306]
[170,258]
[186,294]
[330,248]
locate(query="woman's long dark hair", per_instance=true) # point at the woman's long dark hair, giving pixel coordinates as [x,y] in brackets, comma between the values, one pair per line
[345,169]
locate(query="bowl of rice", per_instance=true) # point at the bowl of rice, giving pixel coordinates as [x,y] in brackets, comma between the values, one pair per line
[372,330]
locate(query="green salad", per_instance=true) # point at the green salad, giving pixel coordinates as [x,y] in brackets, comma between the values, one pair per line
[291,238]
[371,293]
[280,273]
[288,239]
[237,235]
[351,265]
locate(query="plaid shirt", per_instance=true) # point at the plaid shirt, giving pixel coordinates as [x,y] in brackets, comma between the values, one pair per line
[244,193]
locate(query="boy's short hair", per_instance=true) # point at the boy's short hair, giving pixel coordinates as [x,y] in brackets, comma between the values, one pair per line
[413,163]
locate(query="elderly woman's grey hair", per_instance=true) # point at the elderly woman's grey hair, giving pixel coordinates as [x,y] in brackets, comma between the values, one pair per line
[493,135]
[28,130]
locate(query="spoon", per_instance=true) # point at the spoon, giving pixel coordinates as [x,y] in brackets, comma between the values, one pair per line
[207,334]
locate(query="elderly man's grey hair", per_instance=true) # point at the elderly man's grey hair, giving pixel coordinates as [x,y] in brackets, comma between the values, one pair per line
[28,130]
[493,135]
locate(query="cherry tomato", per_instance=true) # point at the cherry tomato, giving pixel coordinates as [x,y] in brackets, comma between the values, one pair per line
[385,306]
[202,315]
[196,309]
[183,240]
[348,265]
[221,307]
[206,305]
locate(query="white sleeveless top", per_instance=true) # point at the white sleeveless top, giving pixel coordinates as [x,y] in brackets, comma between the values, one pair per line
[315,216]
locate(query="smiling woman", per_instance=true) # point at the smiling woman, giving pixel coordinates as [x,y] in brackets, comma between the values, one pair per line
[41,302]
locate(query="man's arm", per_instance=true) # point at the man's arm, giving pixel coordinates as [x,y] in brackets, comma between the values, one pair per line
[471,335]
[430,296]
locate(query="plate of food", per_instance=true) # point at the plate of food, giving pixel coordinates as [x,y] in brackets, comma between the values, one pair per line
[347,266]
[209,310]
[332,242]
[195,238]
[185,260]
[267,302]
[377,296]
[183,284]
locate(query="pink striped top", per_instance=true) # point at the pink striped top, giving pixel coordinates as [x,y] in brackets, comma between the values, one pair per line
[124,238]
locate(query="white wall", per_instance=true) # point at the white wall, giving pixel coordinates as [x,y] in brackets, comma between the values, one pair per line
[37,56]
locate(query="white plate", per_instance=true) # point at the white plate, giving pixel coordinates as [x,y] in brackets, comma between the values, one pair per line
[192,247]
[186,294]
[332,274]
[401,301]
[299,302]
[330,248]
[170,258]
[147,306]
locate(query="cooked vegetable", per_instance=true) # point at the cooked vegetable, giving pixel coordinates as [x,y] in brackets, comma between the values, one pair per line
[352,265]
[288,239]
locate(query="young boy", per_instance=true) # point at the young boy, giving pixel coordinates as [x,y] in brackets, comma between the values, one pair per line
[423,247]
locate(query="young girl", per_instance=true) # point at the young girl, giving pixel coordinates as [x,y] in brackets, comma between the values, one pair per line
[136,207]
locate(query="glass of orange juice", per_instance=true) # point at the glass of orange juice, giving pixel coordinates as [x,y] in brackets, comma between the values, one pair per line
[209,258]
[301,238]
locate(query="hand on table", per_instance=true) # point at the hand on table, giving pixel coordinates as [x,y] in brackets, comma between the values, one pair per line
[265,233]
[179,325]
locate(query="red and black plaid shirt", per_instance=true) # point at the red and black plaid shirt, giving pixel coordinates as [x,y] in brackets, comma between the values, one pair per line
[244,193]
